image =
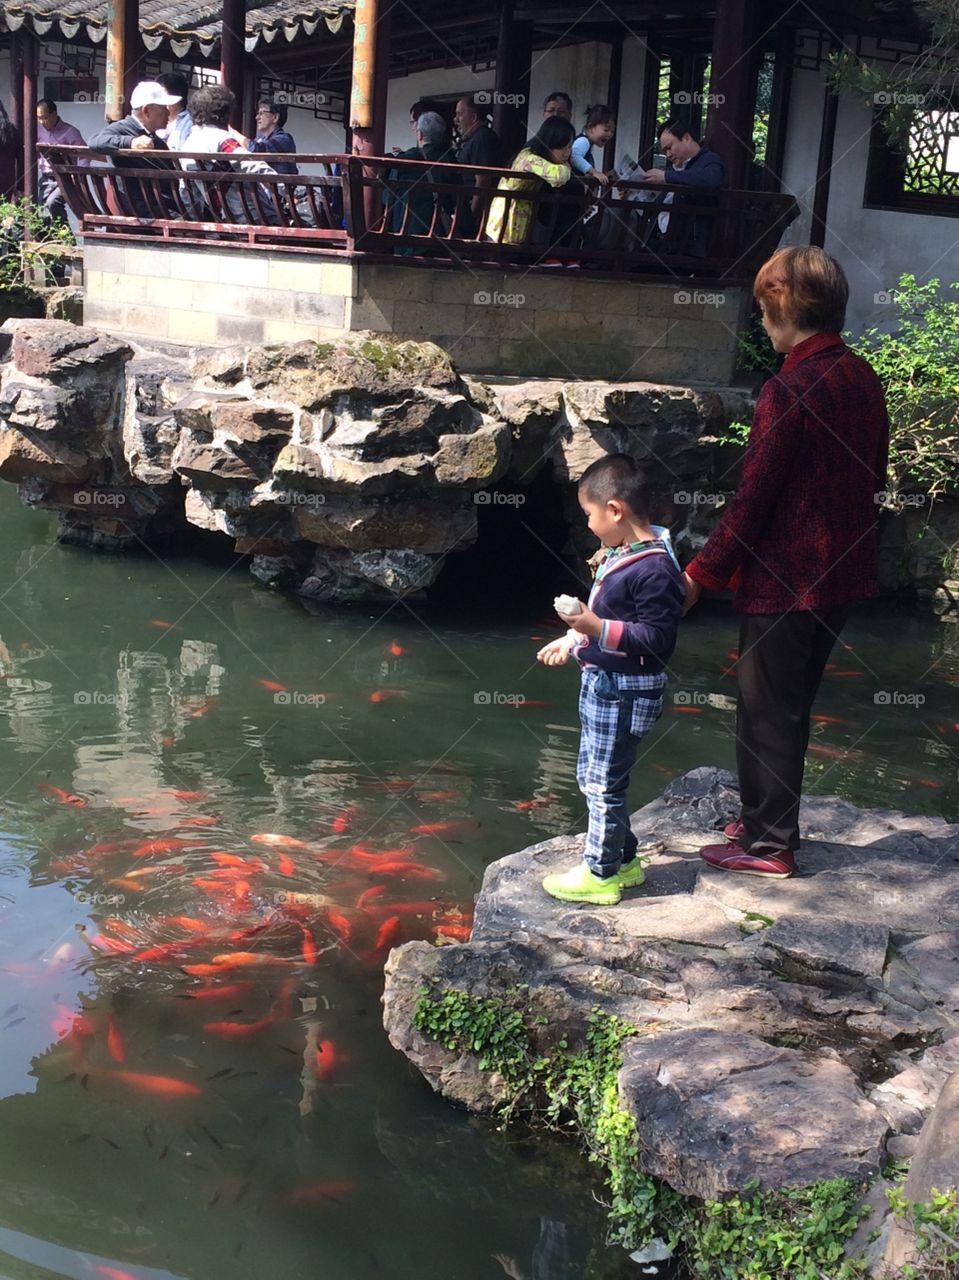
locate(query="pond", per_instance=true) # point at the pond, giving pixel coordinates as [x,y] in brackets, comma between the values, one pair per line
[220,810]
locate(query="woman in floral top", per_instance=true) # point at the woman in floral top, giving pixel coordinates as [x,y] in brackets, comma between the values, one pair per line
[545,158]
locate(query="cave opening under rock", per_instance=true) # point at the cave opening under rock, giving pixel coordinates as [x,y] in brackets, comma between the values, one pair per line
[522,555]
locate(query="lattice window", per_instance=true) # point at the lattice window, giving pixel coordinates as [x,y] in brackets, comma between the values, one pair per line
[922,176]
[931,160]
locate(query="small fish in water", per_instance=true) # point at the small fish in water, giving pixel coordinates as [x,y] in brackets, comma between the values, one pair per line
[327,1060]
[65,797]
[189,795]
[538,802]
[238,1030]
[922,782]
[847,673]
[190,923]
[322,1192]
[286,865]
[531,702]
[114,1273]
[835,753]
[829,720]
[278,841]
[164,1086]
[396,650]
[368,895]
[118,1051]
[387,695]
[688,711]
[229,991]
[223,859]
[163,624]
[344,818]
[149,848]
[201,820]
[309,947]
[411,870]
[438,795]
[274,686]
[388,934]
[341,925]
[442,828]
[458,932]
[236,959]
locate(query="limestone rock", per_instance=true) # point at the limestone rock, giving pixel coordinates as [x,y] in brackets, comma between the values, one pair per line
[934,1165]
[908,1098]
[715,1110]
[220,469]
[833,946]
[22,457]
[339,577]
[433,528]
[58,351]
[473,461]
[532,412]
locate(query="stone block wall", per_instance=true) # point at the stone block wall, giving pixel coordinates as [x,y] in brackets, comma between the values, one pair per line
[559,323]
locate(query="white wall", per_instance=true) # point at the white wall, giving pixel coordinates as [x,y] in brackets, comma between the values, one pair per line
[875,246]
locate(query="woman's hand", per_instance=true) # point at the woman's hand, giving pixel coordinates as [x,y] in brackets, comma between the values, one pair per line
[693,591]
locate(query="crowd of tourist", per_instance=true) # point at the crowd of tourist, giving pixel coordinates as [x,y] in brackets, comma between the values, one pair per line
[460,146]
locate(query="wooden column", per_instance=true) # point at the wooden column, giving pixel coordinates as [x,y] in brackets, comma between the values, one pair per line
[729,124]
[16,109]
[612,96]
[371,68]
[116,58]
[827,138]
[514,117]
[779,112]
[132,72]
[646,143]
[233,53]
[28,45]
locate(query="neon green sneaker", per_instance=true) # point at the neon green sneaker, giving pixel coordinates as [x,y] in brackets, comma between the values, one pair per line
[632,873]
[580,885]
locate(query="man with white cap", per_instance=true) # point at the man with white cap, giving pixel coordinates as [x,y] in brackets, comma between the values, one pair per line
[138,132]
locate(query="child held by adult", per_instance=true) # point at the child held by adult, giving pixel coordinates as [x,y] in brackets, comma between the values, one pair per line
[622,638]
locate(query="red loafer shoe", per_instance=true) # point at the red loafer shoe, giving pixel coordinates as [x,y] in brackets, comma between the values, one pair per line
[777,864]
[734,830]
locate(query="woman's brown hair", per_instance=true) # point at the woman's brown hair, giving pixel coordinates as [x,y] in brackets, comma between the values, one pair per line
[805,287]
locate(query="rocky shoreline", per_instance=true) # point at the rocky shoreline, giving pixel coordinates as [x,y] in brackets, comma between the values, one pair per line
[353,471]
[788,1031]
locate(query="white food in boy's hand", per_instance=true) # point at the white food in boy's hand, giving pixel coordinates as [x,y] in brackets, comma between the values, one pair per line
[568,605]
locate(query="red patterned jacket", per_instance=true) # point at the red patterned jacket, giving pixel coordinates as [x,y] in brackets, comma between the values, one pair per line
[801,532]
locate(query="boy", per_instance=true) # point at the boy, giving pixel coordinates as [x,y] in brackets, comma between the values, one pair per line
[622,639]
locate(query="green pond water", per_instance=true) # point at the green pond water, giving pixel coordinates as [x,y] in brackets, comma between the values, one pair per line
[153,1124]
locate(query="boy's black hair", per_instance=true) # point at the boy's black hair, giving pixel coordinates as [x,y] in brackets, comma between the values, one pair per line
[619,477]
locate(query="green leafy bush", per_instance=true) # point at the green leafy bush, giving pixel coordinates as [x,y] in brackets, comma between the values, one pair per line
[31,246]
[918,362]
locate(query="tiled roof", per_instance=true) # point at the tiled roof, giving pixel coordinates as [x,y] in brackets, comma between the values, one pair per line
[182,24]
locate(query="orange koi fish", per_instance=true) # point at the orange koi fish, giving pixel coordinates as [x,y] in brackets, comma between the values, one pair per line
[114,1273]
[388,934]
[460,932]
[163,625]
[438,795]
[309,947]
[151,847]
[235,959]
[441,828]
[118,1050]
[414,870]
[688,711]
[396,650]
[340,924]
[189,795]
[286,864]
[229,991]
[190,923]
[538,802]
[847,673]
[387,695]
[321,1192]
[65,797]
[327,1060]
[278,841]
[201,820]
[274,686]
[829,720]
[238,1030]
[835,753]
[367,896]
[344,818]
[165,1086]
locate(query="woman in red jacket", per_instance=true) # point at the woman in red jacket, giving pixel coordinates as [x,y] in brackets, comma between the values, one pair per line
[798,544]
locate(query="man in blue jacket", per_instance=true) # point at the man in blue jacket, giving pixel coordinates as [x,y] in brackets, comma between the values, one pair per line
[689,164]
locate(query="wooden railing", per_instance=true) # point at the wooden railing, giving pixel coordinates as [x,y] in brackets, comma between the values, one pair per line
[424,211]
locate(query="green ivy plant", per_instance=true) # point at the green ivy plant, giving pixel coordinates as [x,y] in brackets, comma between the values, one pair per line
[936,1224]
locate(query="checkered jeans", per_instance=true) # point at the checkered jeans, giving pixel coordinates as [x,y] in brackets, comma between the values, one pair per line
[616,712]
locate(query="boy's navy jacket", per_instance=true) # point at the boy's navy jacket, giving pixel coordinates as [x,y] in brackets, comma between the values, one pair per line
[639,594]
